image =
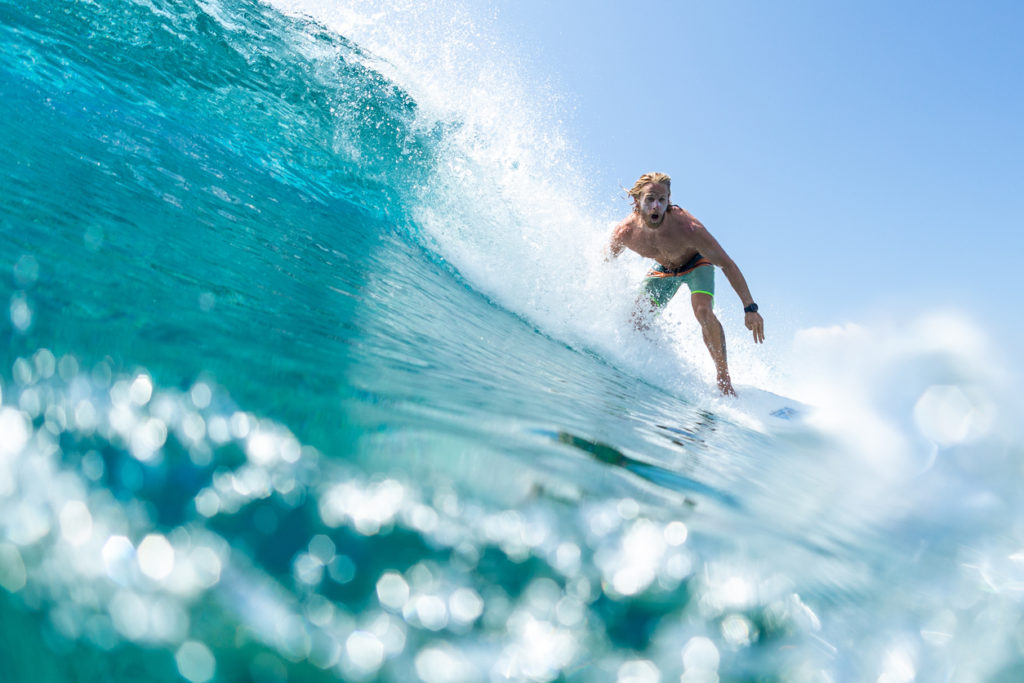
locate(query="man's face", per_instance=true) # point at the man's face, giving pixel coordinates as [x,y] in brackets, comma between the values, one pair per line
[653,204]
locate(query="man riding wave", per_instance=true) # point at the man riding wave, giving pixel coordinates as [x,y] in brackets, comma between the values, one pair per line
[684,253]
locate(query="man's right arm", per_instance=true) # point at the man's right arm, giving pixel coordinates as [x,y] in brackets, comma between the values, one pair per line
[617,244]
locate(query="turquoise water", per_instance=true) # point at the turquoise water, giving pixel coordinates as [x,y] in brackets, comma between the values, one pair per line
[297,387]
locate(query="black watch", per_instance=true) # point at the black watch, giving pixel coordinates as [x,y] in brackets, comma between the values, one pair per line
[752,308]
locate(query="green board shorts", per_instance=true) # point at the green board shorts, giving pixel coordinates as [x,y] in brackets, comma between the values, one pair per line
[661,284]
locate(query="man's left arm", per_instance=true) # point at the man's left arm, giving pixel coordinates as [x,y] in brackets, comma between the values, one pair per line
[712,251]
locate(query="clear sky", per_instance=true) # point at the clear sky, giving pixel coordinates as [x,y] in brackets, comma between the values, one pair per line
[852,157]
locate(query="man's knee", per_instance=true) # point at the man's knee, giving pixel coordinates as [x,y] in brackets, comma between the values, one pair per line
[703,310]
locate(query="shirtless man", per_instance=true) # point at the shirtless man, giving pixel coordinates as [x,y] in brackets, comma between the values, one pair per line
[684,252]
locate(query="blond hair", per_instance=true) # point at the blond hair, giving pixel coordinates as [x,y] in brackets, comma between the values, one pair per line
[658,178]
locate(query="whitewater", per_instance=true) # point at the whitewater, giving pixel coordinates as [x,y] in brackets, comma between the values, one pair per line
[313,374]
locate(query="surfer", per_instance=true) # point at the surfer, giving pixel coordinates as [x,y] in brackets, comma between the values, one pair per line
[684,252]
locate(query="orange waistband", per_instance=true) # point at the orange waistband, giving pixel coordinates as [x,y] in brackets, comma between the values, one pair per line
[689,267]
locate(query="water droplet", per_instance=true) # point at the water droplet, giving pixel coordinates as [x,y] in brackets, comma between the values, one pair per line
[156,557]
[195,661]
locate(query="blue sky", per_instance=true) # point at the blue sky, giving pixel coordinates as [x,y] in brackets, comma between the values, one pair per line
[854,158]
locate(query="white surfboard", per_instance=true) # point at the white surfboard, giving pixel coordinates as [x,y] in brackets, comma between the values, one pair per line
[765,409]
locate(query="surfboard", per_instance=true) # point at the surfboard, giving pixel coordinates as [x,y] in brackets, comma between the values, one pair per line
[770,410]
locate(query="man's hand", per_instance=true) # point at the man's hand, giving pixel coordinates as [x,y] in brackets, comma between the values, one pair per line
[755,323]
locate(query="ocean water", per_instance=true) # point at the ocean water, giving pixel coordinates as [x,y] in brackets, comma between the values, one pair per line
[310,374]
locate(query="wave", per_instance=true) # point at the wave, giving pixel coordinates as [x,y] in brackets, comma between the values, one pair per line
[315,371]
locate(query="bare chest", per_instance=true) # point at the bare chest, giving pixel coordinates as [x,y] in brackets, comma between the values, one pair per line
[670,245]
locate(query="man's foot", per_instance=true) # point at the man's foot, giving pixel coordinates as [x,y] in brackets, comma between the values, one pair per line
[725,384]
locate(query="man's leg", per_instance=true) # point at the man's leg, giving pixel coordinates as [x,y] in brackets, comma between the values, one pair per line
[655,294]
[643,311]
[714,338]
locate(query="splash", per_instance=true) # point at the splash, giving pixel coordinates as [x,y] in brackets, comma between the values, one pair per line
[510,202]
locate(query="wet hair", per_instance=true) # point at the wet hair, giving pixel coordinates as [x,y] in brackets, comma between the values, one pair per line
[659,178]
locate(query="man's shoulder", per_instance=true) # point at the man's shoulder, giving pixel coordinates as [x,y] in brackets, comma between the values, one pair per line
[684,218]
[626,226]
[676,210]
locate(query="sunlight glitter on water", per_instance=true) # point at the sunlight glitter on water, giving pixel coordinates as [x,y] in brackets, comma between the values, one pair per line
[594,557]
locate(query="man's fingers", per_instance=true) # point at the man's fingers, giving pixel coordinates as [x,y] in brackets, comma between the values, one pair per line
[758,329]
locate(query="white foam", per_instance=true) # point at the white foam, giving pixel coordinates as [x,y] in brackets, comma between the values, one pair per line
[898,391]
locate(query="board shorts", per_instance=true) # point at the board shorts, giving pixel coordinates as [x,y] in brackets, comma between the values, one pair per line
[661,283]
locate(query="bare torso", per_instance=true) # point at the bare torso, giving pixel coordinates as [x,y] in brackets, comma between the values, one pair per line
[672,244]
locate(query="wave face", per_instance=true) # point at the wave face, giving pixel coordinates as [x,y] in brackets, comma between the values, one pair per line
[306,380]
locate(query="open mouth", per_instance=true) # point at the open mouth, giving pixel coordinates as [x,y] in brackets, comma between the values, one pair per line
[655,217]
